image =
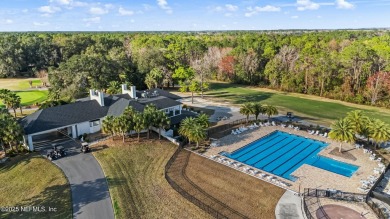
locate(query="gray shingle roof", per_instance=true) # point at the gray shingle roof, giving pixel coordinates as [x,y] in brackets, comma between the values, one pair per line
[160,93]
[160,102]
[60,116]
[86,110]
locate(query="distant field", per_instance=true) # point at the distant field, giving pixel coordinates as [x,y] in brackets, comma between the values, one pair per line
[316,109]
[31,96]
[18,83]
[31,180]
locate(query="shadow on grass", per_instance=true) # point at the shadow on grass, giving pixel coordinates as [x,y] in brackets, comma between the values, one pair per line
[53,202]
[22,159]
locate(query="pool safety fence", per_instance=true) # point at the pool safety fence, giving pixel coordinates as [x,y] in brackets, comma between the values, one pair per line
[310,207]
[228,126]
[334,194]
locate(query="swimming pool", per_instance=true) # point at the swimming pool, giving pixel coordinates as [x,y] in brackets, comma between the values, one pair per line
[281,153]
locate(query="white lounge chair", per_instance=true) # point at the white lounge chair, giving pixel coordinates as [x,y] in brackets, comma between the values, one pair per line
[317,132]
[273,123]
[363,189]
[213,156]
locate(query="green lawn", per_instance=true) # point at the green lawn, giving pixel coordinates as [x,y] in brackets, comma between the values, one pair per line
[18,83]
[31,97]
[138,188]
[31,180]
[320,111]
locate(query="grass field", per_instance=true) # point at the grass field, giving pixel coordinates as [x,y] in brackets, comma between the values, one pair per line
[31,180]
[316,109]
[244,196]
[135,174]
[16,84]
[31,97]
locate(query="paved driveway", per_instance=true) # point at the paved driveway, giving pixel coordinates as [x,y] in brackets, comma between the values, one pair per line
[90,195]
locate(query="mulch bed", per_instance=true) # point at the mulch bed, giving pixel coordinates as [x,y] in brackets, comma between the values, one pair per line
[344,154]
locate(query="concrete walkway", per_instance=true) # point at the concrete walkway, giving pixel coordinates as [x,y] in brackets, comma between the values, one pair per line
[90,194]
[289,207]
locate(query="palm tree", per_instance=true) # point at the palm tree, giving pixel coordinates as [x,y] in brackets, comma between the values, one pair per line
[114,87]
[11,132]
[380,131]
[161,121]
[121,126]
[203,120]
[270,110]
[366,129]
[12,101]
[107,125]
[139,123]
[358,120]
[149,115]
[257,108]
[342,131]
[197,133]
[128,115]
[246,110]
[186,126]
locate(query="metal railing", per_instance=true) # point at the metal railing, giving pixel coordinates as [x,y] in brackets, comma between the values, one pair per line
[228,126]
[307,211]
[185,194]
[333,194]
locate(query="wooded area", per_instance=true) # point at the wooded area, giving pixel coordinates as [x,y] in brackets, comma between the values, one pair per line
[352,66]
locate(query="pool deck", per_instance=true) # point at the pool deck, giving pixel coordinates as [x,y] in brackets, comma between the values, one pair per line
[312,177]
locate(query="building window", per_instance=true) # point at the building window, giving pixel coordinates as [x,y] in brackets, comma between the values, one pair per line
[94,123]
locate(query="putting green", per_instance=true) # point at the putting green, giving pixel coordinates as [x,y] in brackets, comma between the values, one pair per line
[31,97]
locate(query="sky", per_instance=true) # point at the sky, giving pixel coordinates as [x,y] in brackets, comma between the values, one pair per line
[191,15]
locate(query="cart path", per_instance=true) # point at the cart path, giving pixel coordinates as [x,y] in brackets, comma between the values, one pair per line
[90,194]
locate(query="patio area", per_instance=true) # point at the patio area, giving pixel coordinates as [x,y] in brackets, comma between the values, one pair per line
[309,176]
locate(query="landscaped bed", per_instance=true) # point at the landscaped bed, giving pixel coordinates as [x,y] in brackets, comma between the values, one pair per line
[32,181]
[138,188]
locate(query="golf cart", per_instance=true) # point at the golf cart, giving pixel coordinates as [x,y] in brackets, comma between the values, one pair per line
[85,147]
[51,155]
[59,151]
[290,115]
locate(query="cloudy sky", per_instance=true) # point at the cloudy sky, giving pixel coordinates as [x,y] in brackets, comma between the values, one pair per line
[157,15]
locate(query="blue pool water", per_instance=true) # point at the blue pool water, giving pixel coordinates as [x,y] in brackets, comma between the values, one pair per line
[282,153]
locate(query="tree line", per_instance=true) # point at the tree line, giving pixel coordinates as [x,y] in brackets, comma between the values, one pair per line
[346,65]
